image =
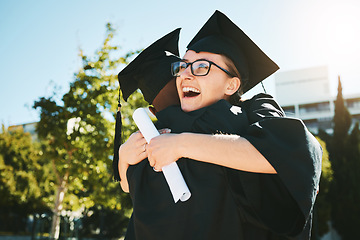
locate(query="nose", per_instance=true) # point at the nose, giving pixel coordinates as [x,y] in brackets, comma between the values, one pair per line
[187,74]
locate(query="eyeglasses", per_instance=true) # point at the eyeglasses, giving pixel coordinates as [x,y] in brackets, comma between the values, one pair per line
[200,67]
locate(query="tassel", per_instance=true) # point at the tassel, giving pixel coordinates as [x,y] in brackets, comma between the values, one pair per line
[263,86]
[117,142]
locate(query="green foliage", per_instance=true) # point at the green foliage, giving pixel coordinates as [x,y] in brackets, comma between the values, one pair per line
[21,179]
[79,132]
[20,169]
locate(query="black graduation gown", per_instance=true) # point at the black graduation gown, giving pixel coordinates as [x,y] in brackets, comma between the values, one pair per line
[295,154]
[225,203]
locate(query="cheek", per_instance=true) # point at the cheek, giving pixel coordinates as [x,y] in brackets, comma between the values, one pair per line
[178,85]
[215,86]
[216,91]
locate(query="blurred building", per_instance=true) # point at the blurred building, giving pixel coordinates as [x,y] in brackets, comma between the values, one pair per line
[26,127]
[305,94]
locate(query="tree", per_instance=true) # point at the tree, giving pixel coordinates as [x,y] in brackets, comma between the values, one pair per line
[79,131]
[342,118]
[21,175]
[345,160]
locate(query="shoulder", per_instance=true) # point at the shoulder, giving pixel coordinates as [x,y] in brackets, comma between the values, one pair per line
[262,106]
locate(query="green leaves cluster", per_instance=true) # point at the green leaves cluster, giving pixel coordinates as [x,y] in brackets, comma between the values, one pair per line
[24,186]
[20,170]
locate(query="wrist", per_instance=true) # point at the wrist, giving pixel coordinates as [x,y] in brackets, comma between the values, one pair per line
[182,145]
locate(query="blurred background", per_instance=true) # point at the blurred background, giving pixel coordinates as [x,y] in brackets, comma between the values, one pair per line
[59,91]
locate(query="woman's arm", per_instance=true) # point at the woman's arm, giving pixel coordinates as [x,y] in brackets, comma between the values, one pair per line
[230,151]
[130,153]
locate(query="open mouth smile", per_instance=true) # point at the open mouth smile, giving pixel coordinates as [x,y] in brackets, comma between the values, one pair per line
[190,92]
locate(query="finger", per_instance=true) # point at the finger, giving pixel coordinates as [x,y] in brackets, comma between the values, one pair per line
[140,134]
[140,145]
[141,149]
[137,135]
[140,141]
[143,155]
[156,170]
[165,130]
[151,162]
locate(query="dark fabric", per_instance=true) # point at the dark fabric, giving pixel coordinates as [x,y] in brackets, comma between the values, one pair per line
[220,117]
[226,203]
[290,148]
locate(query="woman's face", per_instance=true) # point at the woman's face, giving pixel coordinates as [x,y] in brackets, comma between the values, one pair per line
[196,92]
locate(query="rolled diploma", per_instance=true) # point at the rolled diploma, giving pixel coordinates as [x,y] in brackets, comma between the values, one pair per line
[173,176]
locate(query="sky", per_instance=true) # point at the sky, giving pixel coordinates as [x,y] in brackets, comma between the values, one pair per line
[40,40]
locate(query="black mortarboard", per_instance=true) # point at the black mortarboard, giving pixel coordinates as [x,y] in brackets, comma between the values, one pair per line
[150,72]
[221,36]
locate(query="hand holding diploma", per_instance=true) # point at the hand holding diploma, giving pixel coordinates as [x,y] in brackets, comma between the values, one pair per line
[173,176]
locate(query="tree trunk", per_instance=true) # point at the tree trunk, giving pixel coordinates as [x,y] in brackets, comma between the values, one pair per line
[55,225]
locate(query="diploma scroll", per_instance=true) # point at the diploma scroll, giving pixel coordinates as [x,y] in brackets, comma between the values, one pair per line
[173,176]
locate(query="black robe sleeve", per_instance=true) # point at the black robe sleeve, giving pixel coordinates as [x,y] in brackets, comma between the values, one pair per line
[296,156]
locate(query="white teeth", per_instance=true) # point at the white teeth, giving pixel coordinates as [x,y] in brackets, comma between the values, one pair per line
[190,89]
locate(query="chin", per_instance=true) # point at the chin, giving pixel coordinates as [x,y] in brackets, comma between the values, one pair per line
[192,104]
[187,108]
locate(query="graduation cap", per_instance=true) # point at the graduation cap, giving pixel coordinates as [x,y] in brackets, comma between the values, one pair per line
[221,36]
[150,72]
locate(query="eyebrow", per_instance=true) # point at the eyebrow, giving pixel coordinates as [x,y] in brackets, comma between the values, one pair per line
[186,60]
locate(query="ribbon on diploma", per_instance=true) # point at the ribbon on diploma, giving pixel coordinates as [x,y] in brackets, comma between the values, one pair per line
[172,173]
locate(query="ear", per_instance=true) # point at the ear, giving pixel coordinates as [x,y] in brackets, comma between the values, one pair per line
[233,85]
